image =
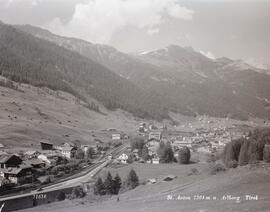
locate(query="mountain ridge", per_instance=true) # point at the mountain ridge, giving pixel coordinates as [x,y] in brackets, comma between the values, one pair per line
[184,80]
[25,58]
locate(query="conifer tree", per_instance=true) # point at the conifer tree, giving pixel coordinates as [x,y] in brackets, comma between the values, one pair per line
[117,182]
[132,179]
[184,155]
[99,188]
[244,157]
[145,153]
[108,184]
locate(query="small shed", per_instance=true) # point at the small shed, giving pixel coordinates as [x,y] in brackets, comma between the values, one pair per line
[169,178]
[46,145]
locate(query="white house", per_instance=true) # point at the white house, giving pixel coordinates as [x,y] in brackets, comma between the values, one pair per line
[155,160]
[123,158]
[68,151]
[155,135]
[116,136]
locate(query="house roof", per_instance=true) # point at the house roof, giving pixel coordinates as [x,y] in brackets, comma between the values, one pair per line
[5,158]
[43,179]
[182,142]
[1,145]
[46,142]
[67,148]
[169,177]
[155,132]
[31,152]
[15,171]
[33,162]
[70,144]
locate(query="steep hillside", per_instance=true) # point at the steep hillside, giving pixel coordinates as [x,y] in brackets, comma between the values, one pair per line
[31,114]
[186,81]
[25,58]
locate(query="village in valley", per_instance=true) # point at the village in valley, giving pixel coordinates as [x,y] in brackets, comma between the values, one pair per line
[50,163]
[199,140]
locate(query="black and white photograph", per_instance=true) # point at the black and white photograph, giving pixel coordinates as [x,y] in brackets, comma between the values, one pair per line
[135,105]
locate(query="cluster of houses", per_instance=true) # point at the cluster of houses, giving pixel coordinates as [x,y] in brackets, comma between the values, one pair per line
[201,140]
[19,169]
[152,144]
[14,170]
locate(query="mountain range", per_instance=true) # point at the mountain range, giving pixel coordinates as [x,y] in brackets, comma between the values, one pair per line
[147,84]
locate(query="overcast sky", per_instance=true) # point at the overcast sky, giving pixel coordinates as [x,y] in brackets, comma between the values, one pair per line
[236,29]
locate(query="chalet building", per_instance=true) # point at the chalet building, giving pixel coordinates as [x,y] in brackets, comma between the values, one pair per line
[18,175]
[46,145]
[8,160]
[68,151]
[155,135]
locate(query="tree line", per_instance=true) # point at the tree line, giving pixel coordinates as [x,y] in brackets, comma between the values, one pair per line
[252,149]
[112,186]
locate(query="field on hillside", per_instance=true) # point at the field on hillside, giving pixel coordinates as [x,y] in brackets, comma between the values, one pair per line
[225,187]
[33,114]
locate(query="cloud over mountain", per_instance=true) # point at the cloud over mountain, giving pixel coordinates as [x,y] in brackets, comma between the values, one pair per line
[98,20]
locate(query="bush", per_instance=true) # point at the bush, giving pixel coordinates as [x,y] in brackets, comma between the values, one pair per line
[232,164]
[184,155]
[193,171]
[217,168]
[61,196]
[211,158]
[77,192]
[60,174]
